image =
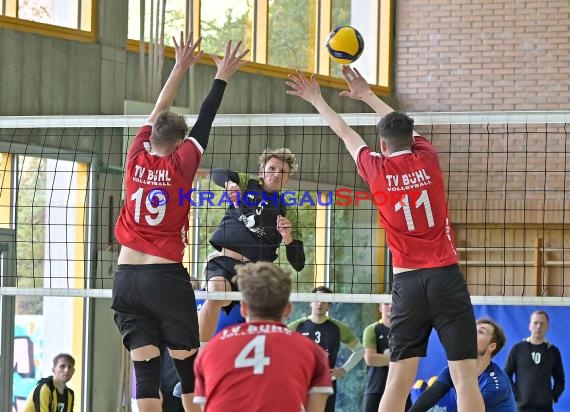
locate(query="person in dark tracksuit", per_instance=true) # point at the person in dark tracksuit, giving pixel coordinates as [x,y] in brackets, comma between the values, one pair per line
[535,368]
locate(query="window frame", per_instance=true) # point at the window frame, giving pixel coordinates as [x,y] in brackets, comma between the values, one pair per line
[11,168]
[384,46]
[51,30]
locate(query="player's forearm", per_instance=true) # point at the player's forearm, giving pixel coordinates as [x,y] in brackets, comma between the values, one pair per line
[557,389]
[221,176]
[351,139]
[429,397]
[169,90]
[316,402]
[296,254]
[334,120]
[376,359]
[355,357]
[208,111]
[376,104]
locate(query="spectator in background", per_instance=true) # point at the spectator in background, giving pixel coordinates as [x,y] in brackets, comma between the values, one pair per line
[377,358]
[534,367]
[51,394]
[329,333]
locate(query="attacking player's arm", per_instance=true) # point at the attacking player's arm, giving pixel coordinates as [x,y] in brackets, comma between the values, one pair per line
[227,66]
[360,90]
[289,231]
[308,89]
[230,180]
[185,57]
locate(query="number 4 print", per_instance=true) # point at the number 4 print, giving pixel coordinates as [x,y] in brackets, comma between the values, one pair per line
[404,204]
[257,360]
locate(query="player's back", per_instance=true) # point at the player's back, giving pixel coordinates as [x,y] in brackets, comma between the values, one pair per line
[408,190]
[154,218]
[496,389]
[260,366]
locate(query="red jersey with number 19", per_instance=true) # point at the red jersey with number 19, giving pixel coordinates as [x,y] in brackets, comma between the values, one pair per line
[154,218]
[260,366]
[407,188]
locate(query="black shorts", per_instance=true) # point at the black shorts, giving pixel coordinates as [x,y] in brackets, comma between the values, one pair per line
[154,305]
[432,298]
[225,267]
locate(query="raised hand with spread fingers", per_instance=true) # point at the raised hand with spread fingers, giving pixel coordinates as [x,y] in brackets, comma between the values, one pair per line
[230,62]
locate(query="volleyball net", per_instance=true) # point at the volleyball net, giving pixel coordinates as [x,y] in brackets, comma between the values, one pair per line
[507,181]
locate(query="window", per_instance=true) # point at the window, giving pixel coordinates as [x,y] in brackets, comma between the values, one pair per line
[281,34]
[353,268]
[291,35]
[50,215]
[71,19]
[229,20]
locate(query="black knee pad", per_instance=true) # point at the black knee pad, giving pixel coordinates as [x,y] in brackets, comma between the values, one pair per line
[185,371]
[147,374]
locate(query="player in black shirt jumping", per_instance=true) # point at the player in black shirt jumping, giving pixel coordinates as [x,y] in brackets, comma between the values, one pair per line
[252,228]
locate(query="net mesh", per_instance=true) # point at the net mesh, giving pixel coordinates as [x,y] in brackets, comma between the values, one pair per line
[506,176]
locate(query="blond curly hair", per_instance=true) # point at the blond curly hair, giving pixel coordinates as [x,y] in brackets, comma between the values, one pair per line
[284,154]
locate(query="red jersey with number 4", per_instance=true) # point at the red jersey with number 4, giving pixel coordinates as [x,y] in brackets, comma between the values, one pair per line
[259,367]
[154,218]
[407,188]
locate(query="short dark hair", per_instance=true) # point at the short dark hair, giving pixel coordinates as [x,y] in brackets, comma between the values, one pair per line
[543,313]
[322,289]
[498,337]
[168,128]
[265,288]
[396,128]
[64,356]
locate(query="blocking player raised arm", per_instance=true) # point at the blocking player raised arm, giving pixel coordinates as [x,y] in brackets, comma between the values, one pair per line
[409,169]
[226,66]
[308,89]
[159,309]
[360,90]
[186,56]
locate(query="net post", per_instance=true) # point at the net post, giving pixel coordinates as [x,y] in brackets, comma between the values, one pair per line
[538,256]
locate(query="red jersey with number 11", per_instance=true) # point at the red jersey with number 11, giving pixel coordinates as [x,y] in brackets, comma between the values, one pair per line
[407,188]
[258,367]
[154,218]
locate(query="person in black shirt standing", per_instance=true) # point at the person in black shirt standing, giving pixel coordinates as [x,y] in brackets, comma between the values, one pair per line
[537,368]
[329,333]
[377,358]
